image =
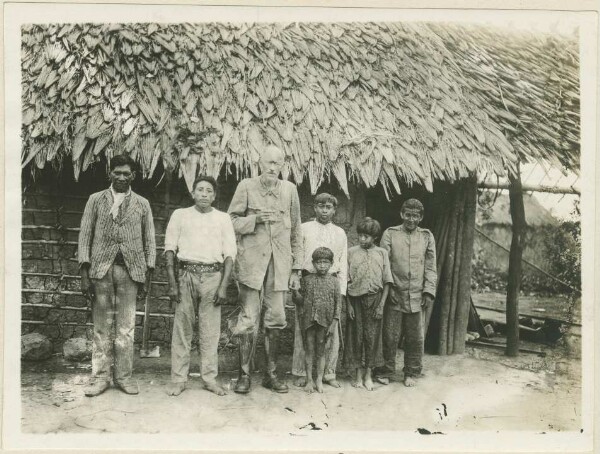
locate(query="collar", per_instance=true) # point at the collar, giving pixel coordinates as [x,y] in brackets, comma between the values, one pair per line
[274,191]
[115,193]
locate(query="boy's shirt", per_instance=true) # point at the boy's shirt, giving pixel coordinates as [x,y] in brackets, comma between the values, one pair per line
[329,235]
[413,263]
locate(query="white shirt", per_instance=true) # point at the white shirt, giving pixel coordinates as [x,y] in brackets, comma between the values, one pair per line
[118,199]
[333,237]
[201,237]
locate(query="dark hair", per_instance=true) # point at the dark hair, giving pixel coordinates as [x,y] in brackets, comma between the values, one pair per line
[324,197]
[369,226]
[412,204]
[321,253]
[122,160]
[206,178]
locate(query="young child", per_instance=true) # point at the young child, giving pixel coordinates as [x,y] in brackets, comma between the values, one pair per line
[369,280]
[412,257]
[319,301]
[322,232]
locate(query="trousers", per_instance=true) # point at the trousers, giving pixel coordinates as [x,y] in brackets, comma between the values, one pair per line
[197,291]
[398,324]
[274,301]
[113,313]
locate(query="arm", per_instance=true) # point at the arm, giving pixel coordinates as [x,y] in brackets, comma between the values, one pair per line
[86,235]
[229,249]
[386,241]
[296,240]
[242,223]
[149,242]
[171,239]
[430,273]
[337,297]
[173,287]
[343,274]
[378,311]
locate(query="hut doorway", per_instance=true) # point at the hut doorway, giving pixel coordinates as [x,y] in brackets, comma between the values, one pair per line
[450,215]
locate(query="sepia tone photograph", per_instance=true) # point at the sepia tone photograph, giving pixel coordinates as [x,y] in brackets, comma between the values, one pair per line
[299,228]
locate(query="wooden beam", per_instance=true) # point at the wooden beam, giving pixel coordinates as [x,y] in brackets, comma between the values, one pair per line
[532,188]
[519,224]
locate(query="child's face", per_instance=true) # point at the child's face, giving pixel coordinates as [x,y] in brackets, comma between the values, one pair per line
[324,212]
[365,240]
[322,266]
[411,218]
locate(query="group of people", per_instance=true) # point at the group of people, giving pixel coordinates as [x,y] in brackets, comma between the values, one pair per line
[384,289]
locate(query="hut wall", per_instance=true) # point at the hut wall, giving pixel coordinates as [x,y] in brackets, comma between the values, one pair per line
[51,301]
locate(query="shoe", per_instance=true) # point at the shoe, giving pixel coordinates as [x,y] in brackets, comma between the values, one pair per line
[96,387]
[270,380]
[128,386]
[245,357]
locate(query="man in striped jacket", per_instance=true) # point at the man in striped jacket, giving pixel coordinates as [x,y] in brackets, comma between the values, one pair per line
[116,253]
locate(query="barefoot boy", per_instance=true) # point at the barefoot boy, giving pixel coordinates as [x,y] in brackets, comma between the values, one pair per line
[204,241]
[319,303]
[322,232]
[412,258]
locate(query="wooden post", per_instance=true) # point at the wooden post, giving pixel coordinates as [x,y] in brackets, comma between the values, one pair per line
[519,223]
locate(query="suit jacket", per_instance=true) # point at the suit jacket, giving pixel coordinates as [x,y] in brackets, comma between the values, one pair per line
[132,233]
[281,239]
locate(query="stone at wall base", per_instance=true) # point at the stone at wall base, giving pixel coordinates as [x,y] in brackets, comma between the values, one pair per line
[35,347]
[77,349]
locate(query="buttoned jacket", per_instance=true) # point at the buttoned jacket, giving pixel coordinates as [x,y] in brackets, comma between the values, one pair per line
[258,242]
[101,237]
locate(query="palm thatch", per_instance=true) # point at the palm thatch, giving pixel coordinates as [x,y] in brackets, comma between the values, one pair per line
[384,102]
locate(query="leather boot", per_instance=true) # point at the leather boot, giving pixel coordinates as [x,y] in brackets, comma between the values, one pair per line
[245,357]
[270,380]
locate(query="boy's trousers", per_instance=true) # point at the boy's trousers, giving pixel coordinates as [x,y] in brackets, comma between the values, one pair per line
[397,324]
[196,290]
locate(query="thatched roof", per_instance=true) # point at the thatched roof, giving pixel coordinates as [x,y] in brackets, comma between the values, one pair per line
[384,102]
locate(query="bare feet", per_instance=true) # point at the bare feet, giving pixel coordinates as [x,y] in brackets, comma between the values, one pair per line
[369,384]
[319,385]
[357,383]
[309,387]
[300,382]
[214,388]
[409,382]
[333,382]
[175,389]
[382,380]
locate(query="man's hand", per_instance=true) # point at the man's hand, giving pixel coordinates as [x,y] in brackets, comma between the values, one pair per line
[173,293]
[266,216]
[350,311]
[427,301]
[332,328]
[221,296]
[143,288]
[87,288]
[294,282]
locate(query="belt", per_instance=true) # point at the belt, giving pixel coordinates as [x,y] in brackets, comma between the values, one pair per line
[198,267]
[306,273]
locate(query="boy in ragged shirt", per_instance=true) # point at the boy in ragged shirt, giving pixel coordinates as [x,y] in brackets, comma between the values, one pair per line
[413,263]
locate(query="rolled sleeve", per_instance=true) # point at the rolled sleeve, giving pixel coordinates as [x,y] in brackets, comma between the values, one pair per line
[229,246]
[149,236]
[86,231]
[242,223]
[173,231]
[430,274]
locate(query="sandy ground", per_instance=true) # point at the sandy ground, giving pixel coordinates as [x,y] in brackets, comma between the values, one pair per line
[481,390]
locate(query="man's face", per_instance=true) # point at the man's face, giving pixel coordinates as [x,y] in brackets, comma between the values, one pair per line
[271,163]
[121,178]
[324,212]
[411,218]
[204,194]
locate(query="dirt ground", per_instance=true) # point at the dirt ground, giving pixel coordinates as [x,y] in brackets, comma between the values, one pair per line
[480,390]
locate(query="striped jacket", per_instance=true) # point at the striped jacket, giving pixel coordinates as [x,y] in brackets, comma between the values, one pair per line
[132,233]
